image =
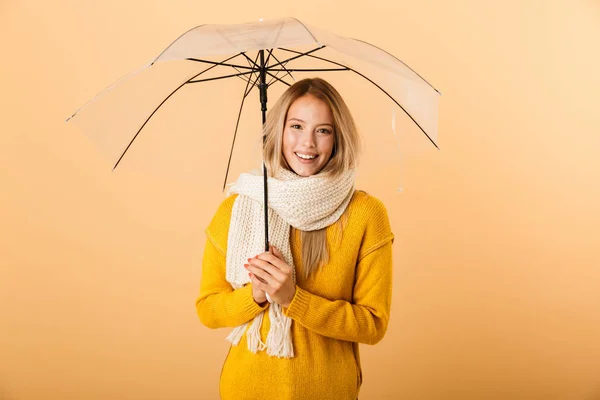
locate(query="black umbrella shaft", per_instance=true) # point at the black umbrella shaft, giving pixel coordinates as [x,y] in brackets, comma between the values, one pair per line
[262,86]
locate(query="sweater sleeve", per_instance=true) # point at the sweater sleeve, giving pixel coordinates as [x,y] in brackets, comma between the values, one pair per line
[365,319]
[218,304]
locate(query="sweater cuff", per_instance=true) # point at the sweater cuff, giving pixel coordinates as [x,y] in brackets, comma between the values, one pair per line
[298,305]
[250,306]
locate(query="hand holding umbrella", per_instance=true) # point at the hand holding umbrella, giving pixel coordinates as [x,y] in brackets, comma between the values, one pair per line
[270,273]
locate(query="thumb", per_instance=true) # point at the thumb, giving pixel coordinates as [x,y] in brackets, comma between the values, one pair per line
[276,251]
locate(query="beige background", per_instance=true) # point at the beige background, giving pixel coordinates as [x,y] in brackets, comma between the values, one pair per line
[497,276]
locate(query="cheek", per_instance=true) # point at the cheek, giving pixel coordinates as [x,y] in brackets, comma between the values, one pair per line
[286,146]
[327,144]
[286,142]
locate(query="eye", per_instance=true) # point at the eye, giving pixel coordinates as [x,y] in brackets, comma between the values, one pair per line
[324,130]
[295,126]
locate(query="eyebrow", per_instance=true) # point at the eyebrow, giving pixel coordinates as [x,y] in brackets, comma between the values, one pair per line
[299,120]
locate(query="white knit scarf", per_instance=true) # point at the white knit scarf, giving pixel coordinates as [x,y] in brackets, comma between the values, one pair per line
[306,203]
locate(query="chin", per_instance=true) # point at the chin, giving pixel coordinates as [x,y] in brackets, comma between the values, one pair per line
[299,172]
[305,171]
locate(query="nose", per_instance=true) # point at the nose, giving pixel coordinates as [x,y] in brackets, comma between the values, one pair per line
[309,139]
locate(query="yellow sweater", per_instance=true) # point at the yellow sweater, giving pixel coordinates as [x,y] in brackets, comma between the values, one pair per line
[344,303]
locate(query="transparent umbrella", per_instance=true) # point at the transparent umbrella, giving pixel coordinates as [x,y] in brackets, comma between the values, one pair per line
[222,60]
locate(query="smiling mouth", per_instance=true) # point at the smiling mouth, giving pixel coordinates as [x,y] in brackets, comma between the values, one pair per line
[306,157]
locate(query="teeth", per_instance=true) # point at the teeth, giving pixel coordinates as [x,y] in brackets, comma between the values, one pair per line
[306,157]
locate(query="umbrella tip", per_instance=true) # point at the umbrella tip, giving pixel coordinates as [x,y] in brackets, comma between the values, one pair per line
[68,119]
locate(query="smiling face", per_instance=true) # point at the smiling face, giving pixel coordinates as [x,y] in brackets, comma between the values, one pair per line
[308,136]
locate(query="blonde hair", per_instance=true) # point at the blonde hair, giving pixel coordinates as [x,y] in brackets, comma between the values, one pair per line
[346,148]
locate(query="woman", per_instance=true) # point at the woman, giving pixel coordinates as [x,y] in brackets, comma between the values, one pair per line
[299,310]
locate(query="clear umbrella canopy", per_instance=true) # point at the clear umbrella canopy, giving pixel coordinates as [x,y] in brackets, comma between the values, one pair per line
[178,113]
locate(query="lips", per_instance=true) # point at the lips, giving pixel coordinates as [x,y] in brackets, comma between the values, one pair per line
[305,156]
[305,160]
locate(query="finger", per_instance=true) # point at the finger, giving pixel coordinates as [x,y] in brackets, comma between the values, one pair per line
[257,283]
[260,279]
[261,274]
[278,263]
[265,271]
[277,252]
[269,268]
[256,277]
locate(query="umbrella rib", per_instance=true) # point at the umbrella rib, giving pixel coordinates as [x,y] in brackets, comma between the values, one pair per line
[223,77]
[215,63]
[254,65]
[255,71]
[273,78]
[246,92]
[268,57]
[252,87]
[237,124]
[267,65]
[244,79]
[163,102]
[403,63]
[394,100]
[311,69]
[278,70]
[270,82]
[277,78]
[227,65]
[380,88]
[307,53]
[282,65]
